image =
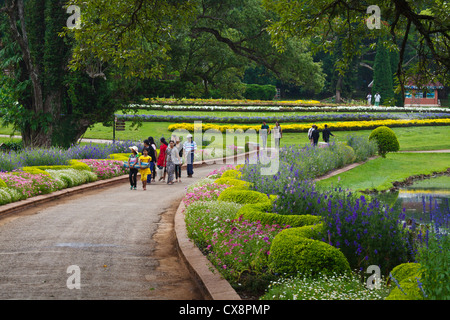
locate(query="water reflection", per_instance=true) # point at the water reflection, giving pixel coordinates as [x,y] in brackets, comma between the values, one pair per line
[421,203]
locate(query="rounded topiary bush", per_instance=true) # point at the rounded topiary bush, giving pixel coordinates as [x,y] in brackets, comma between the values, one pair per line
[408,289]
[385,139]
[348,154]
[242,196]
[292,253]
[2,184]
[406,270]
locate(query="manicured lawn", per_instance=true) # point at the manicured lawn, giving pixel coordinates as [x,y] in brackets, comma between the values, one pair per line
[380,173]
[410,138]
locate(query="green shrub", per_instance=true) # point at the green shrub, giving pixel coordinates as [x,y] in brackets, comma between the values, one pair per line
[233,182]
[348,154]
[233,174]
[260,92]
[405,270]
[119,156]
[78,165]
[72,177]
[3,184]
[260,212]
[8,195]
[386,140]
[292,253]
[35,170]
[242,196]
[408,289]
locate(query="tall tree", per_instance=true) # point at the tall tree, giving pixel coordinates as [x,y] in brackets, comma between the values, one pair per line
[323,19]
[383,76]
[54,105]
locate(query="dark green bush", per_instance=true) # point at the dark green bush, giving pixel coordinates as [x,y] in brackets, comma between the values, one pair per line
[291,253]
[386,140]
[260,92]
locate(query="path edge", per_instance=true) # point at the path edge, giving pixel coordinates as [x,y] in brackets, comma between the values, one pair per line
[207,277]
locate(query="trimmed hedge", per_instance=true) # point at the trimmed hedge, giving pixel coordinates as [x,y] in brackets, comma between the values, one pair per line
[3,184]
[242,196]
[232,174]
[410,290]
[406,270]
[292,253]
[232,182]
[260,212]
[406,285]
[73,164]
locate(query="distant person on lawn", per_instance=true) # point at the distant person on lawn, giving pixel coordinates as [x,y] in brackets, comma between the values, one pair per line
[326,133]
[278,134]
[369,99]
[315,136]
[310,135]
[265,130]
[377,99]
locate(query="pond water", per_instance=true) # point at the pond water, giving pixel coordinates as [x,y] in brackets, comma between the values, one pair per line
[421,199]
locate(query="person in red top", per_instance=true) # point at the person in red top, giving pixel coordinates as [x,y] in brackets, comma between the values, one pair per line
[161,164]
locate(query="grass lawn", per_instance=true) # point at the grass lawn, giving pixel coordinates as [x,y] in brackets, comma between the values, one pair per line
[379,174]
[410,138]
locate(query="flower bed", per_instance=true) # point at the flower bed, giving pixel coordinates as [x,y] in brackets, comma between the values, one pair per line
[282,119]
[336,126]
[231,102]
[29,173]
[278,107]
[314,244]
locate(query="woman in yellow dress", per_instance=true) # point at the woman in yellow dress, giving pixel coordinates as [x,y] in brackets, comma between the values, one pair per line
[144,164]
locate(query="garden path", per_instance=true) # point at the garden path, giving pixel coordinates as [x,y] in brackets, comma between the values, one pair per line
[123,242]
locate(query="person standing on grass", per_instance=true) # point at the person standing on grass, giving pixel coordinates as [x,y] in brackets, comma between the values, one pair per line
[153,154]
[144,164]
[315,136]
[369,99]
[326,133]
[178,160]
[265,130]
[189,148]
[133,160]
[377,99]
[310,135]
[161,163]
[278,134]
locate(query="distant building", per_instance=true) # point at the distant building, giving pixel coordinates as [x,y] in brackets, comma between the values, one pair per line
[426,96]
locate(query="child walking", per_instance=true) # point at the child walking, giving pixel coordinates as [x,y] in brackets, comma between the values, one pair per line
[144,164]
[133,160]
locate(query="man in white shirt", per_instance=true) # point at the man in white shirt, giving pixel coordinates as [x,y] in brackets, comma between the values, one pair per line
[189,148]
[377,99]
[369,99]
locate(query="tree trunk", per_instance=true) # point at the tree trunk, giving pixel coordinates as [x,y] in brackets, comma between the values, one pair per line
[338,89]
[33,135]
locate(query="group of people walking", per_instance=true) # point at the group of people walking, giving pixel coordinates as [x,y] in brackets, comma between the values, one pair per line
[165,163]
[314,135]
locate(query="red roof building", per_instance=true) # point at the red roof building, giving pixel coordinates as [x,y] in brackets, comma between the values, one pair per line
[424,96]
